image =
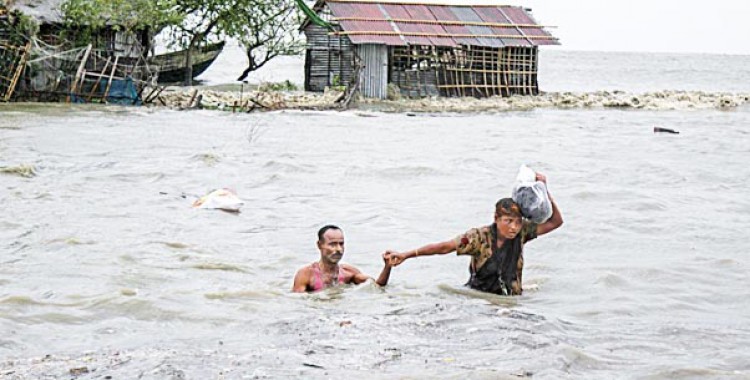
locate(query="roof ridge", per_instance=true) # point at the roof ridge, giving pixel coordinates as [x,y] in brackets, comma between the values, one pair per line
[401,2]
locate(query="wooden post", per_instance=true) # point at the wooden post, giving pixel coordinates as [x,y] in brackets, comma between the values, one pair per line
[19,71]
[74,85]
[109,82]
[96,85]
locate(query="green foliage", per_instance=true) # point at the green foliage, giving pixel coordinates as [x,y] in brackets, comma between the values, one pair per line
[22,28]
[205,20]
[267,30]
[120,14]
[277,86]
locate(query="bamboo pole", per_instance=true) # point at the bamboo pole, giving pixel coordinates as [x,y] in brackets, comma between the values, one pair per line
[535,69]
[419,79]
[506,72]
[484,72]
[19,71]
[109,82]
[459,77]
[85,58]
[96,85]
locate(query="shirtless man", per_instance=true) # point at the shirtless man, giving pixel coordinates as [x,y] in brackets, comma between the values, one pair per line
[327,271]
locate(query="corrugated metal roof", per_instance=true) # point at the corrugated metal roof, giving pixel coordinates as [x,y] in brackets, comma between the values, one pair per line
[367,21]
[376,22]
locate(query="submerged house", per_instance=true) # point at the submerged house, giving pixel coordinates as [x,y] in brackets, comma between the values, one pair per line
[108,69]
[110,40]
[423,49]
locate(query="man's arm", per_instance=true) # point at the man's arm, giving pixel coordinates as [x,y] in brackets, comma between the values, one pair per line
[357,276]
[556,220]
[441,248]
[385,274]
[301,279]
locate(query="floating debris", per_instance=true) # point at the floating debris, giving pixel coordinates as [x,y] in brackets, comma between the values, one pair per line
[26,171]
[210,159]
[665,130]
[219,266]
[221,199]
[79,371]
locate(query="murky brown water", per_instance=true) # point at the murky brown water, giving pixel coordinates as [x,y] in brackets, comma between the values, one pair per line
[104,264]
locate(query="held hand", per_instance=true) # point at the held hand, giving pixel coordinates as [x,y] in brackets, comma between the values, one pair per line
[395,258]
[541,178]
[387,258]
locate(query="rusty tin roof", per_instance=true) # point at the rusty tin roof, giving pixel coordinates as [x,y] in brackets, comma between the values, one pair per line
[394,23]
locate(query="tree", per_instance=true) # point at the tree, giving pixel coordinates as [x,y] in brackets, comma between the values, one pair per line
[269,29]
[265,28]
[204,20]
[120,14]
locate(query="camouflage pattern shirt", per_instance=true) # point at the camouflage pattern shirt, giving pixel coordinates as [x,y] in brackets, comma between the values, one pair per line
[477,242]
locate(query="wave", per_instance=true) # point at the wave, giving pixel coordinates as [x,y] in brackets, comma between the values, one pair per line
[659,100]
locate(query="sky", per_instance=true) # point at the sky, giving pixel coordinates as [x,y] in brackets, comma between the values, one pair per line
[687,26]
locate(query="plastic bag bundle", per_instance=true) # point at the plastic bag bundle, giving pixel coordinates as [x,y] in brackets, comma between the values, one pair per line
[531,196]
[221,199]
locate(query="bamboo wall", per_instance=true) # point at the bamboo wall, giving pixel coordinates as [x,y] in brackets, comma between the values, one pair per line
[421,71]
[329,60]
[414,70]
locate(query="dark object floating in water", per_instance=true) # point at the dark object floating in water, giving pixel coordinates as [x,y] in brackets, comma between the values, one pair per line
[172,65]
[665,130]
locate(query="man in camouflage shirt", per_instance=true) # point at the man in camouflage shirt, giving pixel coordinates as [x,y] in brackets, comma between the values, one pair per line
[496,250]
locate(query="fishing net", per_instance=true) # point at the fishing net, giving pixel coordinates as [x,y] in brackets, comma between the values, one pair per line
[85,74]
[51,68]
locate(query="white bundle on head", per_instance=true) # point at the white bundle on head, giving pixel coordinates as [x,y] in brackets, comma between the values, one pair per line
[531,196]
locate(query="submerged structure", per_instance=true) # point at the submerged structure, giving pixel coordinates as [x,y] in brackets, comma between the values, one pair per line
[45,65]
[423,49]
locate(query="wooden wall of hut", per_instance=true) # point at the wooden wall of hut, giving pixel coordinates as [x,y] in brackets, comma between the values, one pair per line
[329,60]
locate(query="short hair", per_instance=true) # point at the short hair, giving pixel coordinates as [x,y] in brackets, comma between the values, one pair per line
[325,228]
[507,206]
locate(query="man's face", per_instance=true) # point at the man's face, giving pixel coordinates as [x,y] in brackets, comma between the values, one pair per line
[508,226]
[332,246]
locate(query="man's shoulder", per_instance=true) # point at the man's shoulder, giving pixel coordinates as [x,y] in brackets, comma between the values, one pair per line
[305,270]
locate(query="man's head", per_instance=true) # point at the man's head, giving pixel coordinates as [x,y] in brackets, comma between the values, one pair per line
[331,244]
[508,218]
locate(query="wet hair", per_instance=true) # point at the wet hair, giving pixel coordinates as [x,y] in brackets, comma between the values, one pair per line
[509,264]
[325,228]
[507,206]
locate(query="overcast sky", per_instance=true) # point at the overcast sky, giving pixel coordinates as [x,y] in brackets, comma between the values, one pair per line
[689,26]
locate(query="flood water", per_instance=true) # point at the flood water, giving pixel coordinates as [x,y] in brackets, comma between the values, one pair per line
[103,260]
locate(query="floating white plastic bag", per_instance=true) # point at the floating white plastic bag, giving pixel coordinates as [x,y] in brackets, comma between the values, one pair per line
[222,199]
[531,196]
